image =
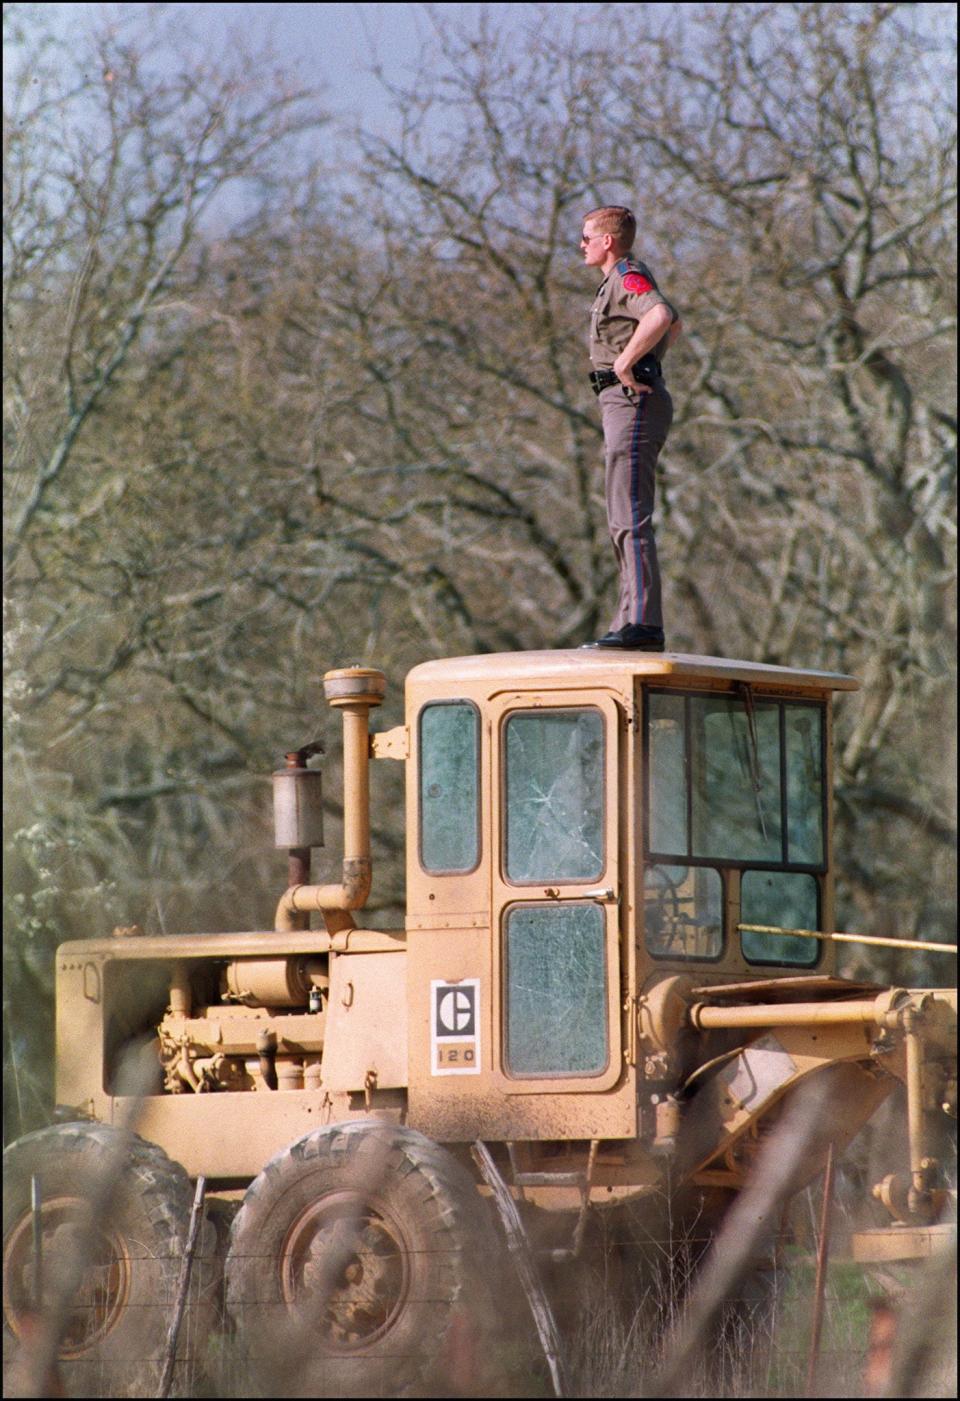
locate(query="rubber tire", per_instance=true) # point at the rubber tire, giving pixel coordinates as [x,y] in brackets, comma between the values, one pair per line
[435,1213]
[148,1215]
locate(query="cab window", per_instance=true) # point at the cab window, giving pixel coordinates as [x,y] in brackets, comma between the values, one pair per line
[556,985]
[553,787]
[449,747]
[683,911]
[733,781]
[785,900]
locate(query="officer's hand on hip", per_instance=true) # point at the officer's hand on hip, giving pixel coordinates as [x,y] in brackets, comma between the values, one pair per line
[624,374]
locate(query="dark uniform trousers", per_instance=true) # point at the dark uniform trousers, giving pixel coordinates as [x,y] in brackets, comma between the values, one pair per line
[635,428]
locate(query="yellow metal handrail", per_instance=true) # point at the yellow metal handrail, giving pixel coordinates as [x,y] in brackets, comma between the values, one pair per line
[837,938]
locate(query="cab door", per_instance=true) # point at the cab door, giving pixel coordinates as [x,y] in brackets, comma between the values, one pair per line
[555,893]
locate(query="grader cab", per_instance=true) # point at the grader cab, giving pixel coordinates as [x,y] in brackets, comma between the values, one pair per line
[615,971]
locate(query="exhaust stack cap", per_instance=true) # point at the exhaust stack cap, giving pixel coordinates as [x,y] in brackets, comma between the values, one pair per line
[355,685]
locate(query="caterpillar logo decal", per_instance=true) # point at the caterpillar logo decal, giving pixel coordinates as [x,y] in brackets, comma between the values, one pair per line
[455,1027]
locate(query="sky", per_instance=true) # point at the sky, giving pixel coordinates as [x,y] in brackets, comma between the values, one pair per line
[325,47]
[335,44]
[332,45]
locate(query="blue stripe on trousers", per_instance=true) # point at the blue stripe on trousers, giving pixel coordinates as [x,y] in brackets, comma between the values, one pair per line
[635,506]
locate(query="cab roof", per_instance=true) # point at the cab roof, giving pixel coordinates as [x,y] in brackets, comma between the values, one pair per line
[585,665]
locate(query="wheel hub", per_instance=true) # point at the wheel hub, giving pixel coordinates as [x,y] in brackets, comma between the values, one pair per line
[101,1292]
[344,1264]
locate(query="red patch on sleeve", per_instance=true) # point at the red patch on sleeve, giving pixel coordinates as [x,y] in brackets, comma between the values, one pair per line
[636,282]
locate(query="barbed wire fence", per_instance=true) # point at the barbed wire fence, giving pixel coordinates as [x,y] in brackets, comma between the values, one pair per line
[694,1325]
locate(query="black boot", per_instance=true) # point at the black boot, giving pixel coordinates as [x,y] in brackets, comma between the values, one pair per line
[635,637]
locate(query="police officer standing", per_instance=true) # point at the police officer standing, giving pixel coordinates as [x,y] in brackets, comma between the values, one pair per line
[631,327]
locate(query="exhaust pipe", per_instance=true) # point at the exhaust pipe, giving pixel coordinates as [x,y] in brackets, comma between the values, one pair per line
[355,691]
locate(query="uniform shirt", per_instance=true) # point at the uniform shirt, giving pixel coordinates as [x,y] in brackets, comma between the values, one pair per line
[625,296]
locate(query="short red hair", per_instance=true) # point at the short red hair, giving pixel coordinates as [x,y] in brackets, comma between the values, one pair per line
[615,219]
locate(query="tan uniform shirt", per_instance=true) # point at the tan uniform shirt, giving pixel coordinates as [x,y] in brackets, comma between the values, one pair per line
[625,296]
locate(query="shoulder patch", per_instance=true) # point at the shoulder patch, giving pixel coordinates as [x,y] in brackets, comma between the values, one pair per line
[636,282]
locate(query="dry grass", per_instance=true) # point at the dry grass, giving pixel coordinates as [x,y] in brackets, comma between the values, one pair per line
[658,1305]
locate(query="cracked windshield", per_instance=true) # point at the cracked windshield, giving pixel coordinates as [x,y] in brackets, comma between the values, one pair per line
[554,790]
[556,990]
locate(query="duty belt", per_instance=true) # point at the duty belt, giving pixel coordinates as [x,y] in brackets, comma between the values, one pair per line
[645,371]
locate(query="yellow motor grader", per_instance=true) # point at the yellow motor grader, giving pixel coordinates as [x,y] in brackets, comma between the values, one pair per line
[616,969]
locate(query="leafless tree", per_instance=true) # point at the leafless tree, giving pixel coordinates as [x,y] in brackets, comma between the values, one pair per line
[127,157]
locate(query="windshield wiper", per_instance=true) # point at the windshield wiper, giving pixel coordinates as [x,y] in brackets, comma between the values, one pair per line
[745,692]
